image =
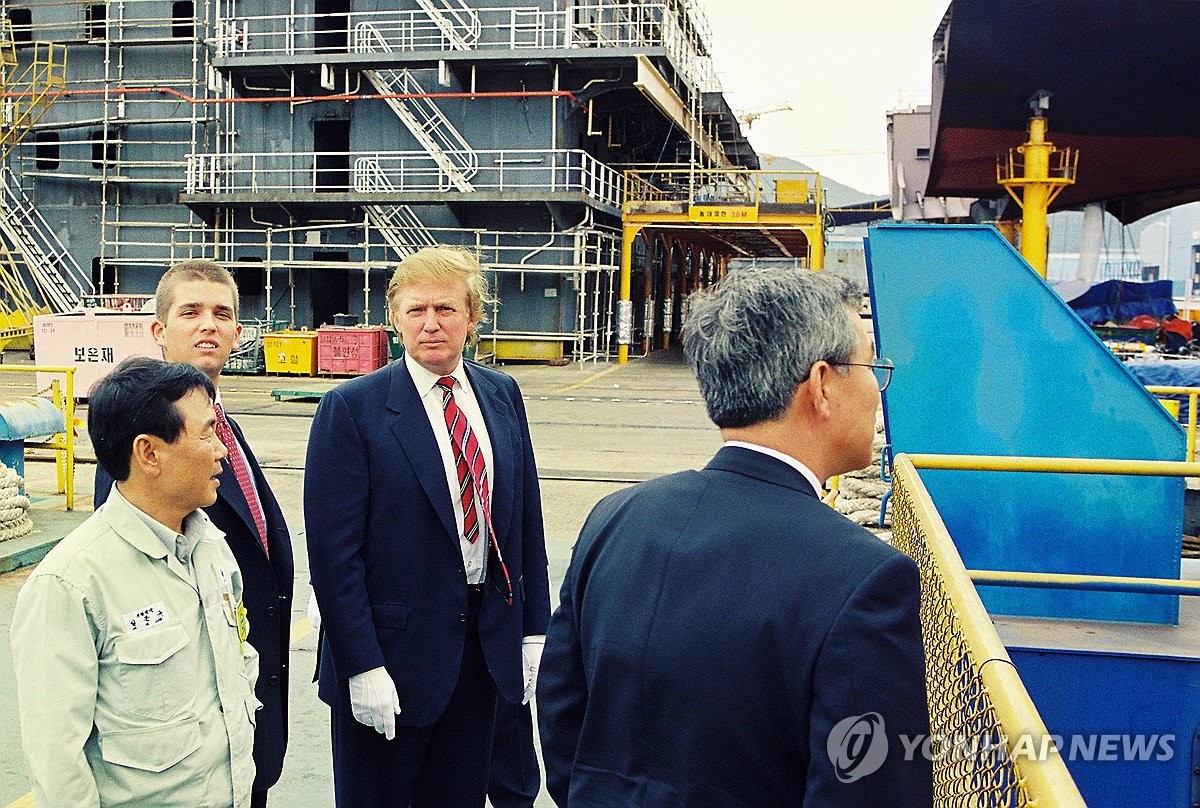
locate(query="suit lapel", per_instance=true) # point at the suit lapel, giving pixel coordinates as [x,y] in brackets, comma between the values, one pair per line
[415,435]
[497,416]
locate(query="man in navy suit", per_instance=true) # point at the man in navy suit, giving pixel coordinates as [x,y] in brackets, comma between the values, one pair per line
[196,322]
[426,549]
[723,637]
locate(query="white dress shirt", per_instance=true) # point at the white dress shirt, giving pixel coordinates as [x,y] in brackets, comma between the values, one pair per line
[474,553]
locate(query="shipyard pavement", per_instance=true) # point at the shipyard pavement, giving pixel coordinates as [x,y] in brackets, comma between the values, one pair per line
[596,428]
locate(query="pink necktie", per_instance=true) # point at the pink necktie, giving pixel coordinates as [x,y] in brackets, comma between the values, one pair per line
[472,474]
[242,473]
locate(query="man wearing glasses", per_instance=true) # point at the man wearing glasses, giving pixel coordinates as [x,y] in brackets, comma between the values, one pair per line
[723,637]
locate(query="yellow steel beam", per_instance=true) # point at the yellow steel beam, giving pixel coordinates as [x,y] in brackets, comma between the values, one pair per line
[661,94]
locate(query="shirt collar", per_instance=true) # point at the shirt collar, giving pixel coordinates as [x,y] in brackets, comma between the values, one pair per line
[818,487]
[425,380]
[180,545]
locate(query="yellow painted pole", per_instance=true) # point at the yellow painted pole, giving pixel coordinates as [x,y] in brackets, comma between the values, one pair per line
[1035,195]
[625,303]
[1191,438]
[70,439]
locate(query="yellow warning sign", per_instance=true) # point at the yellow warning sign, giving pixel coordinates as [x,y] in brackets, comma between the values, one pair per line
[722,213]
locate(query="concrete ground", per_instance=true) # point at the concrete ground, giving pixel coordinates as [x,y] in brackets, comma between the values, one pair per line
[595,428]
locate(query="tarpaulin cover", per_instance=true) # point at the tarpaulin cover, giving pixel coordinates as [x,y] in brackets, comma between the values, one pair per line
[1119,301]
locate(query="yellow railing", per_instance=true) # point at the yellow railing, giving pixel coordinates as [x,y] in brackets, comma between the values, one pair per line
[63,443]
[992,745]
[1191,393]
[724,186]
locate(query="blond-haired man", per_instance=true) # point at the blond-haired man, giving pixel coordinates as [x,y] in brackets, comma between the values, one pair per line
[428,559]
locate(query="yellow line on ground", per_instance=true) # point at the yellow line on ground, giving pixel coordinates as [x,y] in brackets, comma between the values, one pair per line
[301,629]
[588,380]
[22,802]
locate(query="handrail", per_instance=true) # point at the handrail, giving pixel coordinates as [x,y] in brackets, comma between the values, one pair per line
[1070,465]
[978,706]
[1192,393]
[408,171]
[1057,465]
[64,442]
[1086,583]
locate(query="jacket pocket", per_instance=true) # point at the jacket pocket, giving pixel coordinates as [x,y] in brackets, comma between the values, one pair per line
[151,749]
[152,672]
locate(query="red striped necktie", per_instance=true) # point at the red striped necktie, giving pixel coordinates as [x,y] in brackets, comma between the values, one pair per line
[472,474]
[238,463]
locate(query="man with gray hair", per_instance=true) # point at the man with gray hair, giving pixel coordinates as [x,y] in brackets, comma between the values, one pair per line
[723,637]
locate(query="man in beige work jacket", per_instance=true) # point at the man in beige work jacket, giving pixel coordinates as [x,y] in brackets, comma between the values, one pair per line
[135,685]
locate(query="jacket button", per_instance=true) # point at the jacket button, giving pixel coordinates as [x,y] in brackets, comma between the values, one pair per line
[274,680]
[462,617]
[270,611]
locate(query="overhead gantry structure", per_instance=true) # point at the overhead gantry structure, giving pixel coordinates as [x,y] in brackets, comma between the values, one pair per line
[682,227]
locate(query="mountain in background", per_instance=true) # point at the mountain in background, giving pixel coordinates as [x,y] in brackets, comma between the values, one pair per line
[836,194]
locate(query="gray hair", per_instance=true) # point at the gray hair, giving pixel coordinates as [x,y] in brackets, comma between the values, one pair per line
[753,337]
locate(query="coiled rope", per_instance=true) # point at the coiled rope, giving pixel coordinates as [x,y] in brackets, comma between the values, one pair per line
[14,508]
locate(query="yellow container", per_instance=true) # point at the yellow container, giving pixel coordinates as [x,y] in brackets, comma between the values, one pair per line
[791,191]
[1172,406]
[291,352]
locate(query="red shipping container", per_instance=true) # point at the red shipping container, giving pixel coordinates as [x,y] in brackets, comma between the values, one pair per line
[351,351]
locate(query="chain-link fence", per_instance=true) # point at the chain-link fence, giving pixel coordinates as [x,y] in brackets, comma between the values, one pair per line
[988,743]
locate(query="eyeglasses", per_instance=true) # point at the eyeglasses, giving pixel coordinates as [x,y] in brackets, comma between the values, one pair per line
[882,368]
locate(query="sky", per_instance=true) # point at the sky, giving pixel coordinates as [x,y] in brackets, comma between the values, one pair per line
[841,65]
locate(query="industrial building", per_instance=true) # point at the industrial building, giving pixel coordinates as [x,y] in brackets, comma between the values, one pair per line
[309,147]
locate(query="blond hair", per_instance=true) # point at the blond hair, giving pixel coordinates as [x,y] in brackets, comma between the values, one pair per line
[444,265]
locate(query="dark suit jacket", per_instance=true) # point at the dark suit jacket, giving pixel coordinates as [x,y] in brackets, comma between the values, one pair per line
[714,627]
[267,593]
[383,546]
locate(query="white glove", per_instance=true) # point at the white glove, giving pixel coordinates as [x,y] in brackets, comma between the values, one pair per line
[314,611]
[531,656]
[374,701]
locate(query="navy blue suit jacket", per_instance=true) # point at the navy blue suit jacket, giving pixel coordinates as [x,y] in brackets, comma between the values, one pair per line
[383,546]
[714,627]
[267,594]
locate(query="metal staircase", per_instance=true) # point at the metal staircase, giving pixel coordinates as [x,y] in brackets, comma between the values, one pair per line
[457,21]
[419,113]
[399,225]
[29,92]
[30,248]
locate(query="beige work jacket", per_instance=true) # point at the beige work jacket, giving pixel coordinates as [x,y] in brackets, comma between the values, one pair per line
[134,686]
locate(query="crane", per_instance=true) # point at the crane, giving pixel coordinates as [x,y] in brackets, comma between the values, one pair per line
[751,115]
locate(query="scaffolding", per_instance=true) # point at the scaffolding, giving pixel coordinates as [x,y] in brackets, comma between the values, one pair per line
[245,118]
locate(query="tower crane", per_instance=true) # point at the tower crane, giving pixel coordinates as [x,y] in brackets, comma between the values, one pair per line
[749,116]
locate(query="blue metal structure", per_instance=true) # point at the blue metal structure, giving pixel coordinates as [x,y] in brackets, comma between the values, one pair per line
[22,418]
[990,361]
